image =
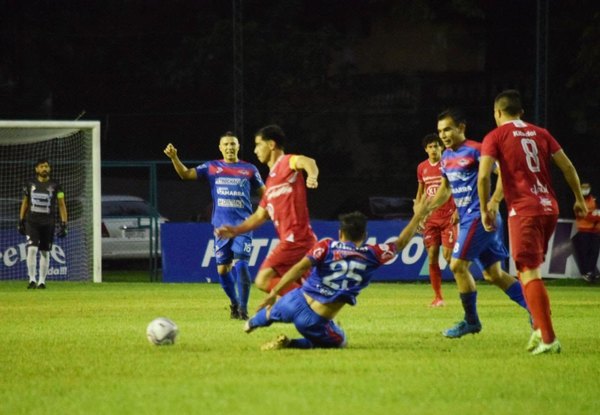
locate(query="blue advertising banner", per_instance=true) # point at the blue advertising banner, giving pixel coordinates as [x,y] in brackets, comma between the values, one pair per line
[188,251]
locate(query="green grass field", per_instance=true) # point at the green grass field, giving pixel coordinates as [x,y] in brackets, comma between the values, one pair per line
[80,348]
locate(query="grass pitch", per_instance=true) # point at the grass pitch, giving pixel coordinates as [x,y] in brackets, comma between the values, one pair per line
[80,348]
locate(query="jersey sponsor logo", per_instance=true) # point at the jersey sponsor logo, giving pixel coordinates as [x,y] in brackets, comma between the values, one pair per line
[276,191]
[539,188]
[223,191]
[461,189]
[463,201]
[432,190]
[229,203]
[458,175]
[227,181]
[517,133]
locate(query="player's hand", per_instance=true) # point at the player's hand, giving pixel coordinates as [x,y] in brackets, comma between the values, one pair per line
[580,209]
[21,227]
[62,230]
[268,301]
[170,151]
[488,219]
[311,182]
[225,232]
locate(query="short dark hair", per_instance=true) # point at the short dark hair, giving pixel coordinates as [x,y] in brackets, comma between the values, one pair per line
[432,138]
[353,225]
[509,101]
[41,161]
[457,115]
[272,132]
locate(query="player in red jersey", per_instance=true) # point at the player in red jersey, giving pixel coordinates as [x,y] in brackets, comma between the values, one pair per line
[284,202]
[440,227]
[524,152]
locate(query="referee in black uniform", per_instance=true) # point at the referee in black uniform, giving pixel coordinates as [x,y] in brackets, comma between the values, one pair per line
[37,218]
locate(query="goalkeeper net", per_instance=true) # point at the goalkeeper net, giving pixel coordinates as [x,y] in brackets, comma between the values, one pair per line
[73,150]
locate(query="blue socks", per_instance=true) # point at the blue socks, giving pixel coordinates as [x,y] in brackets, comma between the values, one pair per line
[228,284]
[469,303]
[260,319]
[515,293]
[243,283]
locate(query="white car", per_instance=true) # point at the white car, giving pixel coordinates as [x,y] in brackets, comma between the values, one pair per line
[126,227]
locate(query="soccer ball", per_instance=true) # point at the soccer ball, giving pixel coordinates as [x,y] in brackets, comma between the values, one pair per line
[162,331]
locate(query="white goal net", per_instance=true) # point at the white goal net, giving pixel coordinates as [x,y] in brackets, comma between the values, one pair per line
[73,150]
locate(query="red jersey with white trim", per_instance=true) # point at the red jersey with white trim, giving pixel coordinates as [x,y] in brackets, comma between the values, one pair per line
[285,201]
[430,175]
[524,152]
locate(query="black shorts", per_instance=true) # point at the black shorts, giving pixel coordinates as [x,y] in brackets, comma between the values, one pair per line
[40,235]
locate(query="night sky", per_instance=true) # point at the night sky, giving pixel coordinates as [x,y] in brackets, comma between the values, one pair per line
[354,83]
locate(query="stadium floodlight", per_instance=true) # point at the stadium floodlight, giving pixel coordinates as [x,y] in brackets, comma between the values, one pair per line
[73,150]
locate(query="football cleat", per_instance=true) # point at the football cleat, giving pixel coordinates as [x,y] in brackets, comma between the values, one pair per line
[437,302]
[41,286]
[543,348]
[534,340]
[234,314]
[281,342]
[243,314]
[31,285]
[248,328]
[462,328]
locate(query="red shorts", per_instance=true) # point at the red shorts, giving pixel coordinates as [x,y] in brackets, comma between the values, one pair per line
[439,231]
[529,236]
[285,255]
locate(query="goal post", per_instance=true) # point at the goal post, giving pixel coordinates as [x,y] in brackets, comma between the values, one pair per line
[73,150]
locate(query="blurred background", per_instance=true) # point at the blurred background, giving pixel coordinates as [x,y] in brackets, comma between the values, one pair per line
[355,84]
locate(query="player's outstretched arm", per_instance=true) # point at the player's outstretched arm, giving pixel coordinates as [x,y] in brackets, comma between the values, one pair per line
[564,164]
[252,222]
[442,195]
[409,231]
[310,167]
[294,274]
[180,168]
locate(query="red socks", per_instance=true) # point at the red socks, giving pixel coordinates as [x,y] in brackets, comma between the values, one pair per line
[539,306]
[435,276]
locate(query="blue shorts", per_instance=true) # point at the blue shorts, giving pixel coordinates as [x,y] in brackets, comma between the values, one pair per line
[321,332]
[475,244]
[239,247]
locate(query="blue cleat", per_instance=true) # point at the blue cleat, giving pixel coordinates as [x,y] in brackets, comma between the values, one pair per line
[461,329]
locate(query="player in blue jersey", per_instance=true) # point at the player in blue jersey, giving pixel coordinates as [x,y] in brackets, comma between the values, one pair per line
[460,164]
[231,181]
[341,269]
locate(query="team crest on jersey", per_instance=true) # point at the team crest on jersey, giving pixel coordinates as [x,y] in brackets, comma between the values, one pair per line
[463,162]
[318,253]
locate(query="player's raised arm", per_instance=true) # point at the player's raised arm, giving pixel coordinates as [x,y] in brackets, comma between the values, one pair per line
[309,165]
[183,172]
[253,221]
[409,231]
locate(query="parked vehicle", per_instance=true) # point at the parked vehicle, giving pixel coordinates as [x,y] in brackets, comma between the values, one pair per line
[127,223]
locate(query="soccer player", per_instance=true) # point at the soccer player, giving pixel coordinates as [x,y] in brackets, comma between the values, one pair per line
[37,219]
[284,202]
[524,152]
[231,182]
[440,226]
[341,269]
[460,164]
